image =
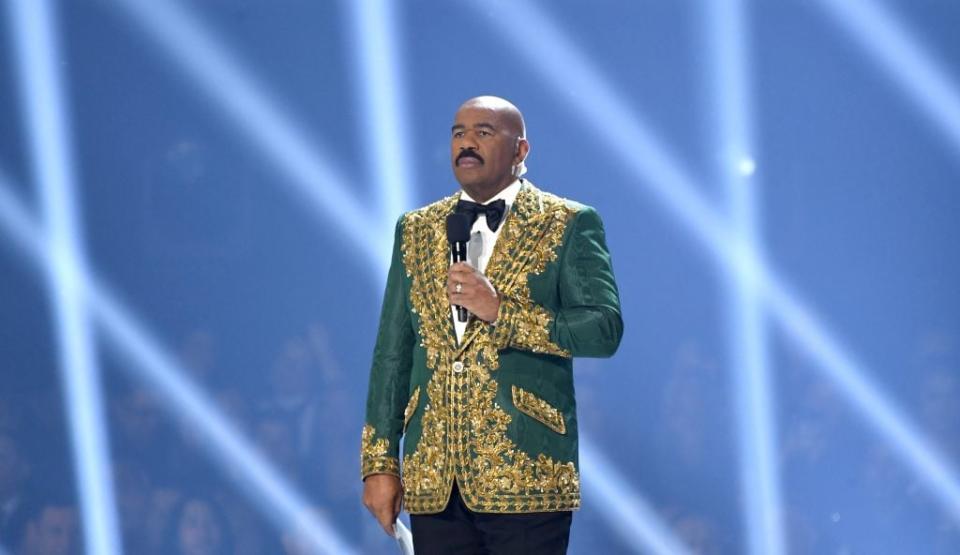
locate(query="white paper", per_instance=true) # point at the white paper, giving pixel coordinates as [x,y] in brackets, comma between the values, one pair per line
[404,537]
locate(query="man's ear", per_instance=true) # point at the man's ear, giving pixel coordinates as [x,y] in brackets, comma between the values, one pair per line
[523,149]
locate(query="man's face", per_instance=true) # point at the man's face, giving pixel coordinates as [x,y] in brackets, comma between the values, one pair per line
[54,533]
[484,150]
[200,534]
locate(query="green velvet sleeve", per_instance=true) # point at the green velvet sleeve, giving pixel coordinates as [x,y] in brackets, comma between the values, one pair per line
[388,391]
[588,322]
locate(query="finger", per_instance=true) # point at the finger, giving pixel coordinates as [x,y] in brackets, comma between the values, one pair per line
[387,521]
[464,296]
[466,286]
[383,513]
[461,269]
[466,281]
[473,277]
[454,279]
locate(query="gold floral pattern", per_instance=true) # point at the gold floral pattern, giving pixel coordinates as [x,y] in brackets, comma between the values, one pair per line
[411,407]
[426,471]
[498,477]
[526,326]
[373,455]
[464,432]
[538,409]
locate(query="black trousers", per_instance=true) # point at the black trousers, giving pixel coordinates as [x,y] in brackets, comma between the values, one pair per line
[459,531]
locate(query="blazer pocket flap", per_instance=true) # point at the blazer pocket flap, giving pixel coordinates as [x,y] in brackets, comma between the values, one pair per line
[411,407]
[538,409]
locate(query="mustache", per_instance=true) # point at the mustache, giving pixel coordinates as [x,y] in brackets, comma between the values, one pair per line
[469,154]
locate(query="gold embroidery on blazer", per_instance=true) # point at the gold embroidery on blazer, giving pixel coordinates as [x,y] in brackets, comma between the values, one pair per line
[521,252]
[528,326]
[538,409]
[464,432]
[500,477]
[411,407]
[373,454]
[428,470]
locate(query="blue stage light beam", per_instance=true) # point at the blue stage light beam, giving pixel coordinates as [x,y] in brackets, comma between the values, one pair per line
[24,233]
[626,135]
[898,52]
[928,462]
[386,129]
[153,365]
[728,32]
[631,516]
[33,28]
[236,93]
[622,129]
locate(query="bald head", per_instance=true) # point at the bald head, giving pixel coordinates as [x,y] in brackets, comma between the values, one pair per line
[488,146]
[509,114]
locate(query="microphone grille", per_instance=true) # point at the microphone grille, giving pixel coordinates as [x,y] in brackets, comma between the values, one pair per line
[458,228]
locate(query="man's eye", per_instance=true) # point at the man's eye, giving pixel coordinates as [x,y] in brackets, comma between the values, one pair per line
[458,134]
[483,133]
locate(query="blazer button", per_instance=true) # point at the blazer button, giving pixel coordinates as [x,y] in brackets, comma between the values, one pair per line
[457,366]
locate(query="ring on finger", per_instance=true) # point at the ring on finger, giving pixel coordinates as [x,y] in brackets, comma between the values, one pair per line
[458,288]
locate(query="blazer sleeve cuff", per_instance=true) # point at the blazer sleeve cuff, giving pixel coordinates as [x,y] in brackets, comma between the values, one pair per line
[380,465]
[375,456]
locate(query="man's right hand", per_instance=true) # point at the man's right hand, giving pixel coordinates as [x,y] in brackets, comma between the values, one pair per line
[383,496]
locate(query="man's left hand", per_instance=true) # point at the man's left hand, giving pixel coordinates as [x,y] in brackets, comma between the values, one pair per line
[476,294]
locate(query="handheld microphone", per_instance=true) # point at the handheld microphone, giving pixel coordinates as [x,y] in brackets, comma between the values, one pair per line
[458,233]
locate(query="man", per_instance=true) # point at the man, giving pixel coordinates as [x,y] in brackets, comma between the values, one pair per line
[46,524]
[486,407]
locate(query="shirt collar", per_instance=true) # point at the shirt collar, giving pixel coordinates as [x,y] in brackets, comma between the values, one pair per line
[508,194]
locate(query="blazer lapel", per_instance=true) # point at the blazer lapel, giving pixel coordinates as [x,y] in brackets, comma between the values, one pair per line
[506,265]
[443,246]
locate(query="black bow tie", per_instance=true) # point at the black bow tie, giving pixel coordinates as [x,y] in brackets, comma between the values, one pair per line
[494,211]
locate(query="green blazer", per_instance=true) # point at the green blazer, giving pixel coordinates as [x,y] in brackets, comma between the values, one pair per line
[497,411]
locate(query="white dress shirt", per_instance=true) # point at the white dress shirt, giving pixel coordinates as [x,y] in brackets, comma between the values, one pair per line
[488,239]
